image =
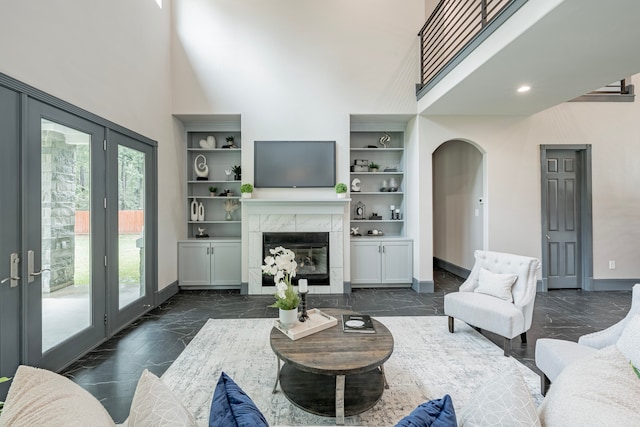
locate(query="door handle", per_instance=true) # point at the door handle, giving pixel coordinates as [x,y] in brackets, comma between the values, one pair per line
[30,267]
[15,261]
[548,238]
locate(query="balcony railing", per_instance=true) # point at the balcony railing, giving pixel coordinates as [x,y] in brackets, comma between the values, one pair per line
[454,25]
[619,91]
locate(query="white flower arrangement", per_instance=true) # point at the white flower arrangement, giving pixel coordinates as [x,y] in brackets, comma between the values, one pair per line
[281,264]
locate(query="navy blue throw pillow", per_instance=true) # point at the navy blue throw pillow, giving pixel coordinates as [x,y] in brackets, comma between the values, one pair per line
[231,407]
[434,413]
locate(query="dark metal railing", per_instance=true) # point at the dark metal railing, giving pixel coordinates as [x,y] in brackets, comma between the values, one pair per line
[615,88]
[619,91]
[450,28]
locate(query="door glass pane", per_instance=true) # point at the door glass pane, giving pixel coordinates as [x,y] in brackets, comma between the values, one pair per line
[66,232]
[131,192]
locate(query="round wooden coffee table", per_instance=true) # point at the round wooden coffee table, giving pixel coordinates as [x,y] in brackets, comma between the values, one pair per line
[333,373]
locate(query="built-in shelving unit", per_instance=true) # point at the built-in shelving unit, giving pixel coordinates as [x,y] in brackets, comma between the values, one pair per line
[219,161]
[384,259]
[212,262]
[379,190]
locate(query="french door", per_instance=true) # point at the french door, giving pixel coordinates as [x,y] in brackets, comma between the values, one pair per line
[65,280]
[86,271]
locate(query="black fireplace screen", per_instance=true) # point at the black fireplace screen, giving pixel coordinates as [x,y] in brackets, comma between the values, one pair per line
[312,255]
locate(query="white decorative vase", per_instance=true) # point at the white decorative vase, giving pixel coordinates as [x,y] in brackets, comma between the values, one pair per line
[393,184]
[200,212]
[342,195]
[194,210]
[288,318]
[246,195]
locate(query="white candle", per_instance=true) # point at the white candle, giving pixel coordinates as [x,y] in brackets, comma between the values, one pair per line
[302,285]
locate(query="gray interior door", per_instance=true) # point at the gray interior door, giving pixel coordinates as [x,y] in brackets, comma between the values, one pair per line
[562,187]
[10,226]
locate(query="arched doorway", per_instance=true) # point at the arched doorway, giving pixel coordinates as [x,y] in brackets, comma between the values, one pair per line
[459,209]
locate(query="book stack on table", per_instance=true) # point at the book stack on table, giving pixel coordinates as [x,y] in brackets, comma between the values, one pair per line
[358,323]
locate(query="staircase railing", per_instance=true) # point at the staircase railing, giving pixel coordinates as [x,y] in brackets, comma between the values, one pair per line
[452,26]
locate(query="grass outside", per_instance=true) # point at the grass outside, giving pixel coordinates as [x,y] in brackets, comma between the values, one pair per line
[128,259]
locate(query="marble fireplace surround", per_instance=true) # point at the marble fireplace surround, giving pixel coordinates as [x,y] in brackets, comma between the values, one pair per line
[274,215]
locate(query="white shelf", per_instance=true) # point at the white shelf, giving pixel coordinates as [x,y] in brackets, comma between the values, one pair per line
[378,173]
[375,193]
[207,150]
[213,197]
[377,149]
[369,221]
[215,222]
[213,182]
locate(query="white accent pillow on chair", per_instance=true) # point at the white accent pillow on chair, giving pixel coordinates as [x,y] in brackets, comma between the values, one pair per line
[496,285]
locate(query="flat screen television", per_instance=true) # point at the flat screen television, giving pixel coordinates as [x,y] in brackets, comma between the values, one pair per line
[294,164]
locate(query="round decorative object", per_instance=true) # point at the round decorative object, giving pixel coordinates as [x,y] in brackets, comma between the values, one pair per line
[200,167]
[359,210]
[288,318]
[355,185]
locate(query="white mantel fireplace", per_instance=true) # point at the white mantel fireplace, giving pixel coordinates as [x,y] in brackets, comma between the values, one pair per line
[295,216]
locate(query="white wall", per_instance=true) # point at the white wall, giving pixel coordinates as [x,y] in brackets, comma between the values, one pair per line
[295,70]
[112,58]
[513,199]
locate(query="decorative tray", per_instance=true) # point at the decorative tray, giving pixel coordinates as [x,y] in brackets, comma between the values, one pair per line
[316,322]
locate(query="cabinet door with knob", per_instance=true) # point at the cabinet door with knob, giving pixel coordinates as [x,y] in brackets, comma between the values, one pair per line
[209,264]
[381,262]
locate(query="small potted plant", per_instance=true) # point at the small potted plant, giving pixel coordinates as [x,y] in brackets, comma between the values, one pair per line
[237,172]
[341,190]
[246,190]
[212,191]
[374,167]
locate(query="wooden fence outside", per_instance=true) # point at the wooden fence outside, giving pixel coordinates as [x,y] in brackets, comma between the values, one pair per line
[129,222]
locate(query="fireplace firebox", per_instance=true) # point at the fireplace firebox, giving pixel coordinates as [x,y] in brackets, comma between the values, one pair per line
[312,255]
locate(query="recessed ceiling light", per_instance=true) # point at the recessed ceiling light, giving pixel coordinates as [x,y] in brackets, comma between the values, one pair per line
[524,88]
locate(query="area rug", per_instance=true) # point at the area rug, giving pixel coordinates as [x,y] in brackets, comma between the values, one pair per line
[427,363]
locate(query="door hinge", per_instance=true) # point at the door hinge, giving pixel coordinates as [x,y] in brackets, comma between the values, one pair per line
[104,145]
[105,319]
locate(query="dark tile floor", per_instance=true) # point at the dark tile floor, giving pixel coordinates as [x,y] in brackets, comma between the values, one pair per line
[111,371]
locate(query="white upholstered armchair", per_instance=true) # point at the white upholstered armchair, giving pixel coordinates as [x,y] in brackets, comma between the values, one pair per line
[553,355]
[498,295]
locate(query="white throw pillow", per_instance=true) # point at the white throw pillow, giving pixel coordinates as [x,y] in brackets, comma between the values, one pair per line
[496,285]
[38,397]
[154,404]
[504,400]
[629,341]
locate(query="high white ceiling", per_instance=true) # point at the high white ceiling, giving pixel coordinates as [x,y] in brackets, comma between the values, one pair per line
[562,49]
